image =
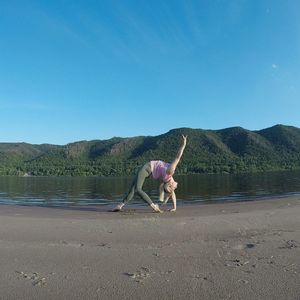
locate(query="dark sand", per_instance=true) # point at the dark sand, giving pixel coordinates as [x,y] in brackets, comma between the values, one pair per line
[247,250]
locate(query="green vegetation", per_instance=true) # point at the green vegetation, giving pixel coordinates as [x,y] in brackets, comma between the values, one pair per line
[230,150]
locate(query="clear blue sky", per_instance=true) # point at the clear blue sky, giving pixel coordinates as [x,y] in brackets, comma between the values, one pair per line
[82,70]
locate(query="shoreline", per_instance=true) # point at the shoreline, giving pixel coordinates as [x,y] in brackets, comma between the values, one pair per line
[238,250]
[141,205]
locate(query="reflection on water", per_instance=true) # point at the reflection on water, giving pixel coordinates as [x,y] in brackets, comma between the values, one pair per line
[70,191]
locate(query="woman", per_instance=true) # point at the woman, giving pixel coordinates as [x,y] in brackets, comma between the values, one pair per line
[161,171]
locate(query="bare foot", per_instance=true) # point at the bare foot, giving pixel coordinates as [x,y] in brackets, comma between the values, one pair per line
[156,208]
[118,207]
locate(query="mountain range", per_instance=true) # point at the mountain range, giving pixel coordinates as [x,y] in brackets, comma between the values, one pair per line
[229,150]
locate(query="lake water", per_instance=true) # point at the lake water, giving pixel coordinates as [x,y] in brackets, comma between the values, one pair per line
[84,191]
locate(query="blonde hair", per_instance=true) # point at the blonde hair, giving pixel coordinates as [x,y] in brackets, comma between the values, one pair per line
[165,190]
[162,192]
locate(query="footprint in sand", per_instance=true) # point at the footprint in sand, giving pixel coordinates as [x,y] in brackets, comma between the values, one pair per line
[34,277]
[65,243]
[140,275]
[243,247]
[291,244]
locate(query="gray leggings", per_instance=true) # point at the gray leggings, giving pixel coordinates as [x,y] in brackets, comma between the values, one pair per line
[137,184]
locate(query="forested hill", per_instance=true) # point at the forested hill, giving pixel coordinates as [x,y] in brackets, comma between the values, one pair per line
[228,150]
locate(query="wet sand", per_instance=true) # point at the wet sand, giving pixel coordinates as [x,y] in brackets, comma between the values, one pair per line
[246,250]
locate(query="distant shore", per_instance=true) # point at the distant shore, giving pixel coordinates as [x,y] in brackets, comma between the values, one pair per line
[244,250]
[233,150]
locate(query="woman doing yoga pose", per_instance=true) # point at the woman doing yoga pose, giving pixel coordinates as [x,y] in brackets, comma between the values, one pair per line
[159,170]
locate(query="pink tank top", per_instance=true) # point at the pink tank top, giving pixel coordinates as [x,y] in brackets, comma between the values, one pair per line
[159,170]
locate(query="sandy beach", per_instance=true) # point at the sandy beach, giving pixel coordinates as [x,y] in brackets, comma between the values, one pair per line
[245,250]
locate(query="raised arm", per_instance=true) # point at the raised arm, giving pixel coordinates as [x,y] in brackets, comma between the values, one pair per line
[174,164]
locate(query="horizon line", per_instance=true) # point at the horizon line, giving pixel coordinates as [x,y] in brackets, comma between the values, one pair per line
[128,137]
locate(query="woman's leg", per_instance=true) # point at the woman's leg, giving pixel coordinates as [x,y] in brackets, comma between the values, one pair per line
[128,196]
[131,192]
[137,186]
[141,176]
[139,179]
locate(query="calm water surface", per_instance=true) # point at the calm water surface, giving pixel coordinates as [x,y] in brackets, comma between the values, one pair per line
[83,191]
